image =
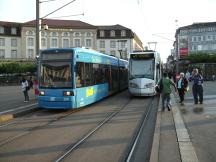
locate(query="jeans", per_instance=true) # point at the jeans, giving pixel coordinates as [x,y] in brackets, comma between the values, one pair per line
[165,101]
[197,91]
[26,95]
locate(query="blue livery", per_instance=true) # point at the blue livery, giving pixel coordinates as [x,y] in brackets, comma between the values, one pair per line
[75,77]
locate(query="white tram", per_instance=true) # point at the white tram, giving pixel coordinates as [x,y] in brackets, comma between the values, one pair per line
[144,72]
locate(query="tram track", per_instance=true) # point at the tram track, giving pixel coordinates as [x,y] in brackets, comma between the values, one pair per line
[69,150]
[34,128]
[73,147]
[62,140]
[137,135]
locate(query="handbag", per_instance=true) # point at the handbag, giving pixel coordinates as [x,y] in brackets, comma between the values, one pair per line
[159,87]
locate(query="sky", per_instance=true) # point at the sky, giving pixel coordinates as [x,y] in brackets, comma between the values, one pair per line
[151,20]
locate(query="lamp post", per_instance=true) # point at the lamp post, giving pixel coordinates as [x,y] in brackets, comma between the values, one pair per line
[38,28]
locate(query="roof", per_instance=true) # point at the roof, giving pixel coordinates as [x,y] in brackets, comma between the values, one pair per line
[75,24]
[6,23]
[197,25]
[112,27]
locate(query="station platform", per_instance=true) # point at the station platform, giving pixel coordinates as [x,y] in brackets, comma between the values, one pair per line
[187,132]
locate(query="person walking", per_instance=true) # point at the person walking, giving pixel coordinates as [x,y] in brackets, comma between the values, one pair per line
[166,91]
[25,85]
[182,84]
[197,87]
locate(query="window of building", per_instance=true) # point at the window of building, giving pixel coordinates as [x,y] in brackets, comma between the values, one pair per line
[102,44]
[112,33]
[209,37]
[204,38]
[123,44]
[13,53]
[88,42]
[54,42]
[65,34]
[14,42]
[199,38]
[43,42]
[88,34]
[29,33]
[1,29]
[101,33]
[123,33]
[13,31]
[54,34]
[2,53]
[77,43]
[194,39]
[199,48]
[112,44]
[30,53]
[77,34]
[2,42]
[65,43]
[30,42]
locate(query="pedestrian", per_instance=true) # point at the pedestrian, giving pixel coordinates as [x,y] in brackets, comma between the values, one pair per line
[36,90]
[213,77]
[25,85]
[187,75]
[197,87]
[30,83]
[166,91]
[182,84]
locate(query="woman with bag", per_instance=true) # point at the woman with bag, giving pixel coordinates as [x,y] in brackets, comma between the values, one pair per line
[182,85]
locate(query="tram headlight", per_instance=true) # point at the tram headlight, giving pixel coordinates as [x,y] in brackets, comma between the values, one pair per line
[41,93]
[149,85]
[68,93]
[134,85]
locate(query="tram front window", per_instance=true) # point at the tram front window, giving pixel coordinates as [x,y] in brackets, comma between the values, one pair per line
[55,75]
[142,69]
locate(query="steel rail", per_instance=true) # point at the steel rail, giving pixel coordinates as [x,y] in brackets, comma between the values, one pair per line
[138,133]
[73,147]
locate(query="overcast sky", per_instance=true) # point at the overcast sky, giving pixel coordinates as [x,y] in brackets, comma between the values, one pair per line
[151,20]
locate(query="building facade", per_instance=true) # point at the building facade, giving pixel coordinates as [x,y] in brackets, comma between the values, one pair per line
[117,40]
[10,40]
[60,34]
[18,40]
[196,38]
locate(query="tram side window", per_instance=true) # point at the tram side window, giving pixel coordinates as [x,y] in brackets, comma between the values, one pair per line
[89,81]
[114,77]
[80,74]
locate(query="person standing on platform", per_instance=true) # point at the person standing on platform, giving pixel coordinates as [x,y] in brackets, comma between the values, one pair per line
[166,91]
[182,84]
[197,88]
[25,86]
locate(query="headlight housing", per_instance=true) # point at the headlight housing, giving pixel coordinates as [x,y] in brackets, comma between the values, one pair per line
[134,85]
[68,93]
[149,85]
[41,93]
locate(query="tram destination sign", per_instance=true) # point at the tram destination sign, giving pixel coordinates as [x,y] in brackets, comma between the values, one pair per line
[142,56]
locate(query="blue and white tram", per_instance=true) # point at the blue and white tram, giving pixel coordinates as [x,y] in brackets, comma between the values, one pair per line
[75,77]
[144,72]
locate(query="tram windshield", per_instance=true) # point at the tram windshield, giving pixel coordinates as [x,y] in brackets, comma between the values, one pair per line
[55,73]
[142,69]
